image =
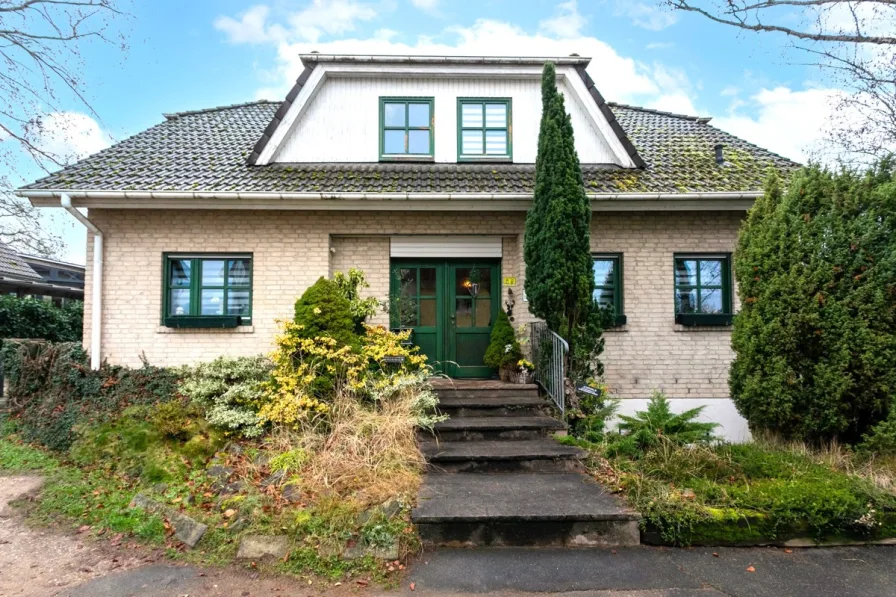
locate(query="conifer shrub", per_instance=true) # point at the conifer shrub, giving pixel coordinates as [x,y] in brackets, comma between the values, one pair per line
[362,308]
[323,310]
[503,349]
[815,340]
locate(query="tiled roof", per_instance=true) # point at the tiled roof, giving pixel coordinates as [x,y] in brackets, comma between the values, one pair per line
[207,150]
[13,266]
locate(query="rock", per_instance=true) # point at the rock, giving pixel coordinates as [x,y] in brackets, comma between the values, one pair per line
[239,524]
[230,488]
[381,553]
[275,478]
[219,472]
[160,488]
[292,493]
[186,529]
[255,547]
[261,459]
[233,449]
[390,508]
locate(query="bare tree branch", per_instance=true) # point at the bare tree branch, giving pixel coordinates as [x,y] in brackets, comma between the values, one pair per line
[41,70]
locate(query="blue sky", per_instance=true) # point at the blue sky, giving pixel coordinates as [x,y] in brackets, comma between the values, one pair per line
[198,54]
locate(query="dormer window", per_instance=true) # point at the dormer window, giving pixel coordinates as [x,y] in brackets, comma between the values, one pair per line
[484,129]
[406,128]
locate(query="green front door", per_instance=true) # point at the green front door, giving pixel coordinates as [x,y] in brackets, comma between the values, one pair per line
[451,306]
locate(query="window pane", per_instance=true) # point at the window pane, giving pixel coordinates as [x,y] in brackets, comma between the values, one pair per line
[685,272]
[711,301]
[471,143]
[418,142]
[394,115]
[393,142]
[710,273]
[407,279]
[463,316]
[496,115]
[238,302]
[483,312]
[418,115]
[686,301]
[180,272]
[212,302]
[604,297]
[406,311]
[471,115]
[427,281]
[212,272]
[604,274]
[179,303]
[428,312]
[238,272]
[496,142]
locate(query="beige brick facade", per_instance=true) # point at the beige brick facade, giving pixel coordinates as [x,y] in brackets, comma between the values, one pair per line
[292,249]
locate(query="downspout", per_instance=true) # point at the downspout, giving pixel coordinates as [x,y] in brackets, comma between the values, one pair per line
[96,307]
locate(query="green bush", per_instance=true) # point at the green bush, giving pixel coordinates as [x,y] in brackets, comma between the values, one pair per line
[361,308]
[52,388]
[503,348]
[34,318]
[648,429]
[323,310]
[815,340]
[588,415]
[229,389]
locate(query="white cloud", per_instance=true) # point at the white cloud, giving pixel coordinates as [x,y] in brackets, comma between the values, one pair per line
[319,18]
[566,23]
[646,16]
[426,5]
[787,122]
[660,45]
[676,102]
[71,136]
[729,91]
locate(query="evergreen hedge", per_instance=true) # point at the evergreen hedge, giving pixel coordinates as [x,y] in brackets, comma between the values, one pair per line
[815,340]
[34,318]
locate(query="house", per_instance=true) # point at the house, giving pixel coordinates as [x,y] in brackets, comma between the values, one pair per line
[40,277]
[418,170]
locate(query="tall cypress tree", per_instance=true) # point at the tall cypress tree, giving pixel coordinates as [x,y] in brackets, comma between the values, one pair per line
[557,250]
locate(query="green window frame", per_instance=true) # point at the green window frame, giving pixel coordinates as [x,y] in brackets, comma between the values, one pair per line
[402,121]
[484,128]
[207,289]
[703,289]
[608,283]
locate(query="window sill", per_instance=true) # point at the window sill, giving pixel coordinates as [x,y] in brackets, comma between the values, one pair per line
[485,160]
[703,328]
[704,319]
[616,328]
[240,329]
[408,158]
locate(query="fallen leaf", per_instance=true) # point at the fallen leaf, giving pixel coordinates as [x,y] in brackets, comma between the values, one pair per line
[362,582]
[413,586]
[230,513]
[715,554]
[338,584]
[751,569]
[788,551]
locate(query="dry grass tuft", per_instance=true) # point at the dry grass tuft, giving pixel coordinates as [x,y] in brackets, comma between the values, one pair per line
[365,452]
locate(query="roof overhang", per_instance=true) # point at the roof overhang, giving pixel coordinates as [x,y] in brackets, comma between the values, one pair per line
[320,67]
[236,200]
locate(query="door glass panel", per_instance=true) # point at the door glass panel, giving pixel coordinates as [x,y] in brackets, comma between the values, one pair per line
[408,280]
[483,312]
[463,312]
[212,272]
[463,284]
[483,277]
[428,312]
[427,281]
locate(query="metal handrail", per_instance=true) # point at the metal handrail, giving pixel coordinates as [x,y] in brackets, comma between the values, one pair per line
[549,352]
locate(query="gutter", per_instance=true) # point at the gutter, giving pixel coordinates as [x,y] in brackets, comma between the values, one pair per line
[96,306]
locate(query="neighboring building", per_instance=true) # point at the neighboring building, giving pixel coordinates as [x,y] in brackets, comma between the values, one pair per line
[419,171]
[40,277]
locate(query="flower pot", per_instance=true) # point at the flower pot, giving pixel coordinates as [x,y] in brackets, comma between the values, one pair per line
[520,376]
[504,374]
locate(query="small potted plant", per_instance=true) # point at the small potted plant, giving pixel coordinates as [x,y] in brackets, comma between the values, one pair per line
[523,373]
[503,352]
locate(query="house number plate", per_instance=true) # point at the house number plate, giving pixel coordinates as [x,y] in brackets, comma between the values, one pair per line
[508,281]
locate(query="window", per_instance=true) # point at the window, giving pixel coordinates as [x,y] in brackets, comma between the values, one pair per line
[608,283]
[203,288]
[703,289]
[406,128]
[484,129]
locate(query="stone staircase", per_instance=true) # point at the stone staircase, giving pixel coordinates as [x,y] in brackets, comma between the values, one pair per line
[497,477]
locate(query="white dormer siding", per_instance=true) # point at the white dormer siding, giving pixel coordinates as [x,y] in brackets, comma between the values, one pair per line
[340,119]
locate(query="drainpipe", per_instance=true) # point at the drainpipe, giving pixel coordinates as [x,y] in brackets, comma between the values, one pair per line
[96,308]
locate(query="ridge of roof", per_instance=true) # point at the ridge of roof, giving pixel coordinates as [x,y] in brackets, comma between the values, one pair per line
[698,119]
[316,57]
[174,115]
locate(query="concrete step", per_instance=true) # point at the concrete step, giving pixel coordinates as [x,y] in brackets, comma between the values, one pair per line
[487,405]
[520,509]
[541,455]
[474,388]
[497,428]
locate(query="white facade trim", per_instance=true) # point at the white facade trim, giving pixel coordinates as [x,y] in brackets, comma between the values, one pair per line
[298,107]
[445,246]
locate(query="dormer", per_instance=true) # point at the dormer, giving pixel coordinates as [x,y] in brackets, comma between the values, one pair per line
[434,109]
